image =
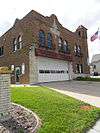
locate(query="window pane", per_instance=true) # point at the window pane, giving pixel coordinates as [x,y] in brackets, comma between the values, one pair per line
[23,68]
[14,44]
[66,49]
[49,40]
[19,42]
[60,45]
[41,38]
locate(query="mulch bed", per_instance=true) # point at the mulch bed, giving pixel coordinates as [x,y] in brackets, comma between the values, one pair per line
[87,107]
[21,121]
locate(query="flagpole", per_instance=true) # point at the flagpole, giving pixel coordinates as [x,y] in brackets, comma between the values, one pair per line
[98,34]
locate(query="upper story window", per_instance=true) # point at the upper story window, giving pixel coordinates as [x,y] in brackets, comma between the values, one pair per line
[41,38]
[66,47]
[79,33]
[60,45]
[14,44]
[49,40]
[77,49]
[19,42]
[1,50]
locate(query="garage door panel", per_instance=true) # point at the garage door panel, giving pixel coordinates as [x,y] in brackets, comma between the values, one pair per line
[52,65]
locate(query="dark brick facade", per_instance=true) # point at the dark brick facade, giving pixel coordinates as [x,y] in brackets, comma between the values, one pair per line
[29,27]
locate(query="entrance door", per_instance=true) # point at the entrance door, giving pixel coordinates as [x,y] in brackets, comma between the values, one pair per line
[17,74]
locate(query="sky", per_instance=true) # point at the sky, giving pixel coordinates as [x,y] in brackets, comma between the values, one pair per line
[70,13]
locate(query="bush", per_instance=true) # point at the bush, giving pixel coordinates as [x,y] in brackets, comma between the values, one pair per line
[87,79]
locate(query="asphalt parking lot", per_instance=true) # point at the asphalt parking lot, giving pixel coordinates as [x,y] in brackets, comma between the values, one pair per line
[81,87]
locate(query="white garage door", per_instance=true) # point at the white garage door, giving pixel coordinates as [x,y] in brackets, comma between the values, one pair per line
[52,70]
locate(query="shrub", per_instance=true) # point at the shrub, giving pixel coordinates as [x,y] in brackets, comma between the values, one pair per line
[87,79]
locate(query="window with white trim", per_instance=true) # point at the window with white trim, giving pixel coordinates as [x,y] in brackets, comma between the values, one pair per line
[66,49]
[79,68]
[23,68]
[60,45]
[14,44]
[12,67]
[77,50]
[19,42]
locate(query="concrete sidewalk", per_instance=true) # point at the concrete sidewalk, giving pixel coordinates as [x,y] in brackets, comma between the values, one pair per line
[95,101]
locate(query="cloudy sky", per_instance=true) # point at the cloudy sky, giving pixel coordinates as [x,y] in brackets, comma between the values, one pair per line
[71,13]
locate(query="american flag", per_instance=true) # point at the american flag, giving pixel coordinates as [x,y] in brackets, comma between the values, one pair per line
[95,36]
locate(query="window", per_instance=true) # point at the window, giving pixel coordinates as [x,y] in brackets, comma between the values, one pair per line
[12,67]
[23,68]
[49,40]
[52,71]
[41,38]
[79,33]
[41,71]
[60,45]
[1,50]
[79,68]
[66,46]
[77,50]
[47,71]
[14,44]
[19,42]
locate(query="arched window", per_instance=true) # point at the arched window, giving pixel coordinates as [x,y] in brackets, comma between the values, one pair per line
[60,45]
[41,38]
[49,40]
[79,49]
[14,44]
[75,48]
[19,45]
[79,33]
[65,46]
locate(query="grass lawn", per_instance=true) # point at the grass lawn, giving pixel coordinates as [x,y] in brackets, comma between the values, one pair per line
[58,113]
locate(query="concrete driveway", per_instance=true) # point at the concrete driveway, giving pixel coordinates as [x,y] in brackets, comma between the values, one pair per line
[82,87]
[86,91]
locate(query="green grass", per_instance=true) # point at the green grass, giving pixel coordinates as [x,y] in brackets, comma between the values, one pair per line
[58,113]
[88,79]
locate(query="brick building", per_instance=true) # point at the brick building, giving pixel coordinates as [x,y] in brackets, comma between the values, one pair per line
[40,49]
